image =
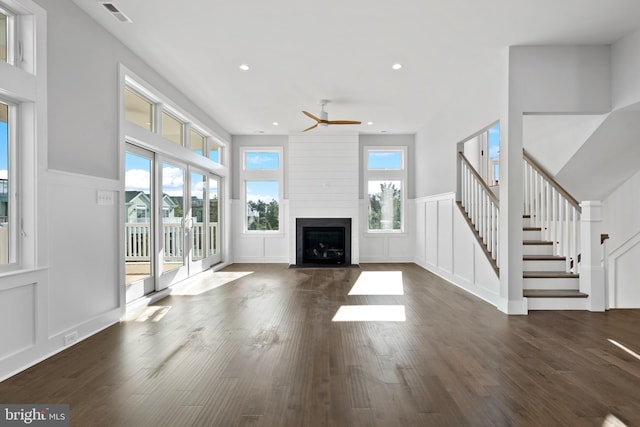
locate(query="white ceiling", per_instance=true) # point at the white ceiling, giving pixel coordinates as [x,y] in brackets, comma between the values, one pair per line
[301,51]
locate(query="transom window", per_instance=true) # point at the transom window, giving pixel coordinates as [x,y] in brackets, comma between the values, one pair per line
[146,109]
[172,128]
[138,109]
[385,178]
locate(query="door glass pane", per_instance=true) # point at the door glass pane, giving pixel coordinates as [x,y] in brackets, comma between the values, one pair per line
[197,142]
[172,128]
[138,110]
[173,216]
[138,208]
[198,190]
[213,217]
[385,205]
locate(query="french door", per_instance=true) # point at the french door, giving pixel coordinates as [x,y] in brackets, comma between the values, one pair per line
[172,227]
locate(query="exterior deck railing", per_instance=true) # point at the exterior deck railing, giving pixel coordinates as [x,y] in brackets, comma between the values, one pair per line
[138,248]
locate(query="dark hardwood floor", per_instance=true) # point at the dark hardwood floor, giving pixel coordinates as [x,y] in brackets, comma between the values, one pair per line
[262,350]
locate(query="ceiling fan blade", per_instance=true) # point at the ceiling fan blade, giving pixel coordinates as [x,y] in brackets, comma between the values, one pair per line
[343,122]
[311,127]
[312,116]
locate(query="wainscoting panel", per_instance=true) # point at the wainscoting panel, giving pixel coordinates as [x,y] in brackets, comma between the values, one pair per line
[18,315]
[623,272]
[450,248]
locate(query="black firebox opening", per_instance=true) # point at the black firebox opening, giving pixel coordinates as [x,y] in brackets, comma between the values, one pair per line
[323,242]
[323,245]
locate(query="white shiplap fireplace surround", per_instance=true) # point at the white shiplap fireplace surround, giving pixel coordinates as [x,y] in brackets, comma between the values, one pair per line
[323,182]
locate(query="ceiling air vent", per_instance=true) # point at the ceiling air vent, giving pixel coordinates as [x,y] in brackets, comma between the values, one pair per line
[116,12]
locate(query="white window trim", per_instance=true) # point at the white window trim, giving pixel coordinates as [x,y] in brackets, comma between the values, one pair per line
[162,103]
[385,175]
[24,87]
[273,175]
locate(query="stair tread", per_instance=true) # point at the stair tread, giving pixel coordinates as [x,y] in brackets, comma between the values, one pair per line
[531,228]
[537,242]
[553,293]
[543,258]
[549,275]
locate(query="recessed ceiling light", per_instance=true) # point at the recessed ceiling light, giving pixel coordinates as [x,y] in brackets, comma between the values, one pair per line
[369,123]
[275,123]
[244,67]
[396,66]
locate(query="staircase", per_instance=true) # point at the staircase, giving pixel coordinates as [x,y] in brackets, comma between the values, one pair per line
[546,282]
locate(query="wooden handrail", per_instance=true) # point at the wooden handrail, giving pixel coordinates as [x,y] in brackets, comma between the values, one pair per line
[552,181]
[484,185]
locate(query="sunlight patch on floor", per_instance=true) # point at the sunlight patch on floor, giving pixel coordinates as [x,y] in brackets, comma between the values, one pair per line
[628,350]
[152,313]
[208,282]
[378,283]
[613,421]
[370,313]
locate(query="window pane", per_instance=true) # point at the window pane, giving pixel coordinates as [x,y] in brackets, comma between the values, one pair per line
[197,142]
[138,110]
[262,205]
[4,184]
[213,216]
[198,188]
[4,36]
[384,160]
[171,128]
[214,153]
[385,205]
[494,153]
[267,160]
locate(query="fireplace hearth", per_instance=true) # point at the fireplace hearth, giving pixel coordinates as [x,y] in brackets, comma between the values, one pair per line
[323,242]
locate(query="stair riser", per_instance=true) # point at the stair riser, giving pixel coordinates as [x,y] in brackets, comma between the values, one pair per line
[571,283]
[557,303]
[526,222]
[543,265]
[531,234]
[537,249]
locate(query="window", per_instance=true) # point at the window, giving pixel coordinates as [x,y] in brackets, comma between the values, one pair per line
[385,177]
[262,178]
[214,152]
[493,136]
[196,142]
[172,128]
[21,137]
[5,35]
[138,110]
[6,219]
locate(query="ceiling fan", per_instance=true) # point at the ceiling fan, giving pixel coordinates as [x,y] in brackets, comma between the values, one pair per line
[323,120]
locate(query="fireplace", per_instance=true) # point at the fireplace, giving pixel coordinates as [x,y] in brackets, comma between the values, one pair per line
[323,242]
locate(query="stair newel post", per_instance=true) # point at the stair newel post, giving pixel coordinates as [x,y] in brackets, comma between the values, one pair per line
[591,269]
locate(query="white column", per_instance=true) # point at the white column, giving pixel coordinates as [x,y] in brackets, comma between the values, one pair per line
[591,270]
